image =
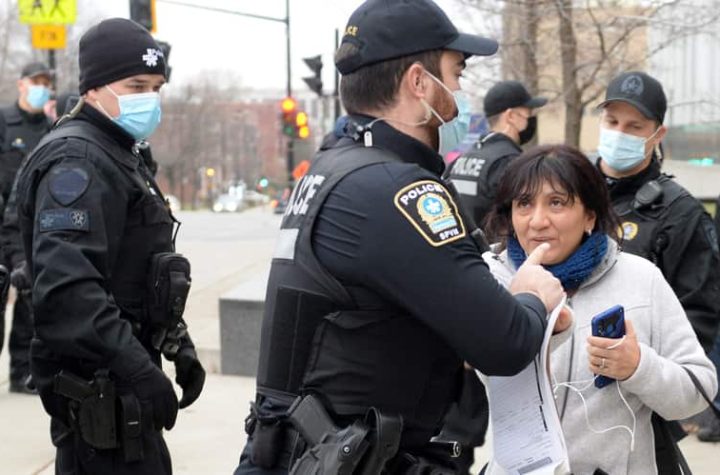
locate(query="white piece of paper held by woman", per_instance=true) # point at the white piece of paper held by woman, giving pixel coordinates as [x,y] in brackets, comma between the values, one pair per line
[526,431]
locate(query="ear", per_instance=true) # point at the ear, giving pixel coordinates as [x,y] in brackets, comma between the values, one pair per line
[660,134]
[415,81]
[590,220]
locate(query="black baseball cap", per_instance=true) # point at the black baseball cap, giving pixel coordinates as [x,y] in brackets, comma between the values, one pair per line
[389,29]
[641,91]
[508,94]
[35,69]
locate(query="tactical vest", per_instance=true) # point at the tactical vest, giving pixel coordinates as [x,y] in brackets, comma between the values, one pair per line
[642,215]
[346,343]
[148,222]
[469,172]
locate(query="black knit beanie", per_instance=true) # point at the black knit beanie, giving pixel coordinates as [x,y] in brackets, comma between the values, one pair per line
[115,49]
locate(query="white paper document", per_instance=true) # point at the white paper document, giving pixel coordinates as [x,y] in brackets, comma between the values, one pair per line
[527,436]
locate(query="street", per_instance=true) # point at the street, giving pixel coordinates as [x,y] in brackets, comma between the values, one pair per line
[225,250]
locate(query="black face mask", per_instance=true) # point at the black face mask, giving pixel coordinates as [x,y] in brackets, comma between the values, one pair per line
[529,132]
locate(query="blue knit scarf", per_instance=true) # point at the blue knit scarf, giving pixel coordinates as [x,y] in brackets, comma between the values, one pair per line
[575,269]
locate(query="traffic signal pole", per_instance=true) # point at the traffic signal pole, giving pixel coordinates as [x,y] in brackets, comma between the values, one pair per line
[286,21]
[291,141]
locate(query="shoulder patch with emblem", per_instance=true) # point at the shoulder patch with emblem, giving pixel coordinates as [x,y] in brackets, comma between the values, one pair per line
[63,220]
[67,184]
[432,212]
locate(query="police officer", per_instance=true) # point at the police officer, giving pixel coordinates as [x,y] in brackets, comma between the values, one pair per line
[22,125]
[108,288]
[377,293]
[509,109]
[661,221]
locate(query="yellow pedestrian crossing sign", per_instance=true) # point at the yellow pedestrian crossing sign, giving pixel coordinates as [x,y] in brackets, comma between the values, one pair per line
[43,12]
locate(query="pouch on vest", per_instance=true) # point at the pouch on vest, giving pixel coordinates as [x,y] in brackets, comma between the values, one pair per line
[169,285]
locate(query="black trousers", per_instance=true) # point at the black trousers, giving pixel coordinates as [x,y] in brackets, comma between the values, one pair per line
[75,457]
[20,337]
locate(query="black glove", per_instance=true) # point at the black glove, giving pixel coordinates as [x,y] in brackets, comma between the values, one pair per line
[20,277]
[153,386]
[190,375]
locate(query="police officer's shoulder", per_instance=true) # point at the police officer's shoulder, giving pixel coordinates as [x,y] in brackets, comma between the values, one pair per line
[425,202]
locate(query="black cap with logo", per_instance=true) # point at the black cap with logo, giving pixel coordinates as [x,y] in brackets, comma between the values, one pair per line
[641,91]
[116,49]
[32,70]
[388,29]
[508,94]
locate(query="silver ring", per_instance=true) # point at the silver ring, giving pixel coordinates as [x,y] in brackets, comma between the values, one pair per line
[602,365]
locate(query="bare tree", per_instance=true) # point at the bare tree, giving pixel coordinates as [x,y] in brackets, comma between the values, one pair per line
[570,49]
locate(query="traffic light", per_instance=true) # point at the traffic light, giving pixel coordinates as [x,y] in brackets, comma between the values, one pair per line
[289,110]
[315,82]
[262,183]
[143,12]
[301,125]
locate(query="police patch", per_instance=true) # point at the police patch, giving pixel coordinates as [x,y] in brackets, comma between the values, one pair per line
[63,220]
[432,212]
[628,230]
[68,184]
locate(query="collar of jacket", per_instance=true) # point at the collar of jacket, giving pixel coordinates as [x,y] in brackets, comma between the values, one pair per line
[629,185]
[31,118]
[90,114]
[386,137]
[493,137]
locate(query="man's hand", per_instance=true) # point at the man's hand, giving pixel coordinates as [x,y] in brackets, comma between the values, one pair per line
[20,276]
[532,278]
[190,375]
[151,385]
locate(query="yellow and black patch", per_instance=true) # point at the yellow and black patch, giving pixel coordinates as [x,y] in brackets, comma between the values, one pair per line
[628,230]
[431,210]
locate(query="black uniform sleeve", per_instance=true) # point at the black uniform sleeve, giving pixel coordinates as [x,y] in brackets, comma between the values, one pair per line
[363,239]
[79,215]
[691,265]
[10,239]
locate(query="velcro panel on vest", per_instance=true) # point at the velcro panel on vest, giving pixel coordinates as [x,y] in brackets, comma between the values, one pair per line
[297,316]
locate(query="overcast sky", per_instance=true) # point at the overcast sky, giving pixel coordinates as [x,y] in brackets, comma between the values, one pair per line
[253,49]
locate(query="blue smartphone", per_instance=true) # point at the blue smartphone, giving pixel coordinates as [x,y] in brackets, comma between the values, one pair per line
[608,324]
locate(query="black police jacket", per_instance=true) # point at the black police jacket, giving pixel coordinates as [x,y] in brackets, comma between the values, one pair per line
[477,173]
[377,293]
[662,222]
[20,132]
[91,218]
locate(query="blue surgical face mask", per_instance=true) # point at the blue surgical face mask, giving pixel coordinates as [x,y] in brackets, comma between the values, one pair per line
[140,114]
[620,151]
[452,132]
[38,96]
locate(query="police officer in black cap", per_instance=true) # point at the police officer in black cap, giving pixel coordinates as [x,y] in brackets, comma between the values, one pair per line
[377,293]
[108,288]
[22,125]
[509,109]
[661,221]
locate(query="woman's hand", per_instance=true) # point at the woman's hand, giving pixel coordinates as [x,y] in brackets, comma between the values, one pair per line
[608,358]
